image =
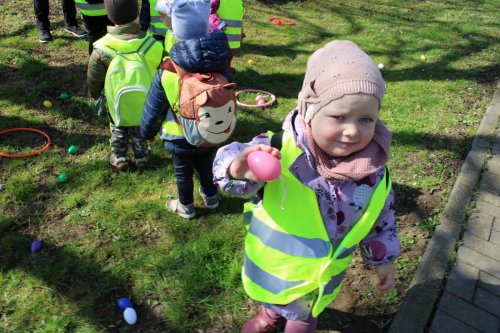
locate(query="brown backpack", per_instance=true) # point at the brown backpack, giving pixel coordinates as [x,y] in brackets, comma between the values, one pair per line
[206,109]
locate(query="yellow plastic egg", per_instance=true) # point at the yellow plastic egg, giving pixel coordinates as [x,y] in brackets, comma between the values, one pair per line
[422,57]
[251,62]
[47,104]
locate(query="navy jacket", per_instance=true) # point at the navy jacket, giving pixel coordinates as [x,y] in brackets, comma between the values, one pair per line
[206,54]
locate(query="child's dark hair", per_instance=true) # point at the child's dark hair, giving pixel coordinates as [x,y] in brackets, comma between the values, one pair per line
[122,11]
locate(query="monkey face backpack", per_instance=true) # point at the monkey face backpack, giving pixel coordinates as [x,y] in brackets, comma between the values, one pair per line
[205,107]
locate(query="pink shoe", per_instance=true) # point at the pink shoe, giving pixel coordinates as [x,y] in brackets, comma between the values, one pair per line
[262,322]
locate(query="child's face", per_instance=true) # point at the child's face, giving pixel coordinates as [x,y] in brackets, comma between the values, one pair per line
[345,125]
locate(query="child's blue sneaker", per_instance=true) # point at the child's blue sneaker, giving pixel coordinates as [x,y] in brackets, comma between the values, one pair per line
[210,202]
[187,212]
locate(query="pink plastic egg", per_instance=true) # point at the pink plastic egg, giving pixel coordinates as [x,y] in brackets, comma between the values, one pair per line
[261,102]
[264,166]
[259,98]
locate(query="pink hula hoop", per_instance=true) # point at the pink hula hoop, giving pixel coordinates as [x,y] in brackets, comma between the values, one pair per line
[273,98]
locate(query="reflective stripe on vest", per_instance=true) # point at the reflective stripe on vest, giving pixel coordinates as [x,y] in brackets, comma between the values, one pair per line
[156,25]
[232,11]
[171,130]
[285,258]
[88,9]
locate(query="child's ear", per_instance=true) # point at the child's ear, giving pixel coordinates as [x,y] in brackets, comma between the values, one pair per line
[231,85]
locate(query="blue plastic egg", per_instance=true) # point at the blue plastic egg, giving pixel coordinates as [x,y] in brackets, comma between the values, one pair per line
[123,303]
[36,246]
[130,316]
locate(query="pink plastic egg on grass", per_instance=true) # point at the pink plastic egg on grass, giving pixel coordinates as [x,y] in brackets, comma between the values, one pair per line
[261,102]
[264,166]
[259,98]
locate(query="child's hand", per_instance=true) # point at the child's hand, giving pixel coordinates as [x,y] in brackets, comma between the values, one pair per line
[386,276]
[239,168]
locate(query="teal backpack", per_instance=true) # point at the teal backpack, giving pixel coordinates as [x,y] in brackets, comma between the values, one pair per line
[129,76]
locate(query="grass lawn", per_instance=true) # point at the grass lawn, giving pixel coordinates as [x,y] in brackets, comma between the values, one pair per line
[106,234]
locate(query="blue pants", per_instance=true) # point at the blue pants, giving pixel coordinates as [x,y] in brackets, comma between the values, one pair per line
[186,159]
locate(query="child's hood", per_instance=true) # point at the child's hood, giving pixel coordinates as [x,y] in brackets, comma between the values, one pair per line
[210,53]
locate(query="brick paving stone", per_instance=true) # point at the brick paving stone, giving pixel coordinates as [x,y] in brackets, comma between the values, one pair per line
[496,146]
[480,245]
[494,164]
[490,182]
[480,225]
[490,198]
[480,261]
[462,280]
[496,224]
[444,323]
[468,313]
[495,237]
[488,208]
[489,282]
[488,302]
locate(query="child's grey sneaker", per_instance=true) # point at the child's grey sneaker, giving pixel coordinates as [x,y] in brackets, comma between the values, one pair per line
[75,31]
[141,162]
[45,36]
[187,212]
[120,163]
[210,202]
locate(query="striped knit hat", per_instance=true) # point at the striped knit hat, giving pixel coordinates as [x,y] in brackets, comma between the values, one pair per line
[337,69]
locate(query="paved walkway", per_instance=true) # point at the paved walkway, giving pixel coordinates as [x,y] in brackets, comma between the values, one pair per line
[467,299]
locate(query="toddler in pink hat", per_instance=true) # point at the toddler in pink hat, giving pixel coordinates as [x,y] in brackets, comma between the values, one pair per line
[333,195]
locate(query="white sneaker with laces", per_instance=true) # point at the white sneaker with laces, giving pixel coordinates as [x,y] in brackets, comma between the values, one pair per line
[187,212]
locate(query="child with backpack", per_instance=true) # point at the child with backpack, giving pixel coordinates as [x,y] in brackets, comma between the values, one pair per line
[334,192]
[190,117]
[120,70]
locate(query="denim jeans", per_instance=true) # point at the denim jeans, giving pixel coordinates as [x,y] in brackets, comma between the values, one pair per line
[186,159]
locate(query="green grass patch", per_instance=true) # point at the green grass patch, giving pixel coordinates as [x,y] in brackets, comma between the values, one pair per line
[106,234]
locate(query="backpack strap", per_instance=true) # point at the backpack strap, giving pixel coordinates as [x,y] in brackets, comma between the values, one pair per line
[146,45]
[170,66]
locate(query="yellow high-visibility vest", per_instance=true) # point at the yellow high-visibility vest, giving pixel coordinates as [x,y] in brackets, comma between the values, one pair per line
[232,11]
[88,9]
[288,253]
[171,82]
[156,25]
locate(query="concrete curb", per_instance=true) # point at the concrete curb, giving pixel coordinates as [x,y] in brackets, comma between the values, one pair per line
[418,305]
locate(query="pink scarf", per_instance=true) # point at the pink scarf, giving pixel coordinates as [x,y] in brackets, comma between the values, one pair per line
[355,166]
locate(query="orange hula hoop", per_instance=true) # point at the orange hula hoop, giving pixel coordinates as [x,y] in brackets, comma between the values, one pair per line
[281,21]
[25,129]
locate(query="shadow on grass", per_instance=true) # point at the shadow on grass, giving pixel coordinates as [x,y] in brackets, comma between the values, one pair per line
[33,82]
[59,137]
[91,288]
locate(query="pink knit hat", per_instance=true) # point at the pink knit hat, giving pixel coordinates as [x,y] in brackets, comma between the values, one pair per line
[337,69]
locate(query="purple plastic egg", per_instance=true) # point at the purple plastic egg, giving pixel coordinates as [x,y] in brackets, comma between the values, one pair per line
[259,98]
[36,246]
